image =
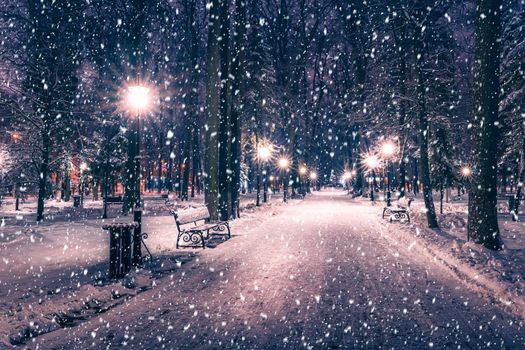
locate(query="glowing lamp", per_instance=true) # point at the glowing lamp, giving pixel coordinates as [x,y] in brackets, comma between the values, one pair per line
[138,97]
[284,163]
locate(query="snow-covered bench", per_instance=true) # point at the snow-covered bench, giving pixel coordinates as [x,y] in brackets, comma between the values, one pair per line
[400,212]
[196,235]
[114,200]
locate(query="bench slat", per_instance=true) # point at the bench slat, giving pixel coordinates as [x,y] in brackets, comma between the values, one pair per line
[193,215]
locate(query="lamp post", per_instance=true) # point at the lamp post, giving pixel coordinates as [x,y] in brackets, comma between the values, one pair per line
[466,173]
[387,151]
[313,178]
[138,99]
[302,173]
[346,179]
[83,168]
[284,163]
[372,163]
[264,153]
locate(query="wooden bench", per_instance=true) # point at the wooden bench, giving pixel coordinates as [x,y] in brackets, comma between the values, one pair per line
[114,200]
[196,235]
[401,211]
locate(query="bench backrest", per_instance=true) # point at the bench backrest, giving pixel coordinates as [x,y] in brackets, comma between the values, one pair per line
[114,199]
[404,202]
[188,216]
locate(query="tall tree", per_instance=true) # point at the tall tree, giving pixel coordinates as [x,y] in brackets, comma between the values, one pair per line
[136,40]
[212,109]
[224,111]
[53,34]
[237,98]
[482,219]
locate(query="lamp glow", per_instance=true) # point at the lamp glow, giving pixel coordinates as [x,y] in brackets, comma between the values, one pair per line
[284,163]
[466,171]
[372,162]
[264,153]
[138,97]
[388,149]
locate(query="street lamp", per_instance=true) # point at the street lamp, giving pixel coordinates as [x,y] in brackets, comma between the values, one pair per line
[264,152]
[388,150]
[138,99]
[466,172]
[83,168]
[313,178]
[272,182]
[346,179]
[302,172]
[284,163]
[371,162]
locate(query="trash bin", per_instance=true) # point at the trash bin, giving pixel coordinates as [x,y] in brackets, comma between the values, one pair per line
[76,201]
[120,248]
[512,203]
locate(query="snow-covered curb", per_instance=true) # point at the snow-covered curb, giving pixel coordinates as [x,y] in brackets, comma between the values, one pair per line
[478,268]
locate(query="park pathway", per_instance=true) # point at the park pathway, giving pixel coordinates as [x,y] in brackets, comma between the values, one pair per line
[321,274]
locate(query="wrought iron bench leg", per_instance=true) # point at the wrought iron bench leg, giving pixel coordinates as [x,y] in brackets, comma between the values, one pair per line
[202,239]
[143,239]
[179,235]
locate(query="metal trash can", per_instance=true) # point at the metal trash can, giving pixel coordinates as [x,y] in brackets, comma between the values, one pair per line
[120,247]
[76,201]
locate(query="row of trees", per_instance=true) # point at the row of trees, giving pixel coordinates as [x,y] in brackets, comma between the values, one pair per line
[325,80]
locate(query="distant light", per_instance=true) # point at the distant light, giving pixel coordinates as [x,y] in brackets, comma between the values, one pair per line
[138,97]
[83,166]
[15,136]
[372,162]
[347,175]
[272,178]
[313,175]
[466,171]
[264,153]
[388,149]
[302,170]
[284,163]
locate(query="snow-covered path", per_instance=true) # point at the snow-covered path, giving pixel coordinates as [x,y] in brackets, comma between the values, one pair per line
[325,273]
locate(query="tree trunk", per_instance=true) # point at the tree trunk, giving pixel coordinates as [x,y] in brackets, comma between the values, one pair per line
[212,104]
[402,113]
[42,180]
[237,104]
[196,167]
[186,164]
[519,190]
[483,220]
[223,135]
[159,173]
[415,178]
[504,174]
[424,136]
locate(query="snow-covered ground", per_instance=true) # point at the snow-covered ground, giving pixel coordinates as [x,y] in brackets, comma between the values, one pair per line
[325,272]
[499,273]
